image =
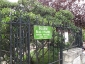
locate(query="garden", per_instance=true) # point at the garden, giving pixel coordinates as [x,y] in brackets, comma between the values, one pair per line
[17,21]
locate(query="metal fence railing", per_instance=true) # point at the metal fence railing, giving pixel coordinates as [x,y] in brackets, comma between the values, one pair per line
[18,46]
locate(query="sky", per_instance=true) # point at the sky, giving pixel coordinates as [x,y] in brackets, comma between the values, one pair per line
[13,0]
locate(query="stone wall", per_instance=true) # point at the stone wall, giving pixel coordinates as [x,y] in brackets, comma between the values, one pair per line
[73,56]
[83,57]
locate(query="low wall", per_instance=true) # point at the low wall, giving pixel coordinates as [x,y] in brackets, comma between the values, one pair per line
[73,56]
[83,57]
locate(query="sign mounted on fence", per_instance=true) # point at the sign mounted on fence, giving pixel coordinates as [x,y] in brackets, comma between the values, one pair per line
[42,32]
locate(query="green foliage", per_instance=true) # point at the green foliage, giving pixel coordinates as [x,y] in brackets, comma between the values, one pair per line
[48,55]
[5,11]
[42,13]
[83,33]
[43,10]
[5,17]
[37,13]
[5,4]
[63,16]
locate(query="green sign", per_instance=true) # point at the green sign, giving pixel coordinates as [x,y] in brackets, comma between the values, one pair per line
[42,32]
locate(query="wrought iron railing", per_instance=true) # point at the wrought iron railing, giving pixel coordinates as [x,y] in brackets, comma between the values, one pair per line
[18,46]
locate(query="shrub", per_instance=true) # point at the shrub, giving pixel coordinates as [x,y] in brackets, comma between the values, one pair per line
[44,58]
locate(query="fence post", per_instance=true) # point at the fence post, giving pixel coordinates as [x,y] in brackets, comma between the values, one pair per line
[61,54]
[80,38]
[61,48]
[28,41]
[0,37]
[11,40]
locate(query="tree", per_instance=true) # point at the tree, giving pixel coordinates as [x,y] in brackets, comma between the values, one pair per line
[77,7]
[37,13]
[34,10]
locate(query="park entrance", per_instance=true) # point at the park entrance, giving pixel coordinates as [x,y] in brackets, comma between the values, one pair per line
[25,42]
